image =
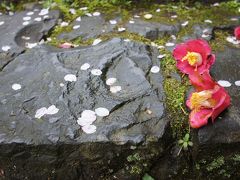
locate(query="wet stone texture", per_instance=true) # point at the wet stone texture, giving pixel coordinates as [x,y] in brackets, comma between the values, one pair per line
[15,34]
[90,27]
[152,30]
[226,129]
[137,112]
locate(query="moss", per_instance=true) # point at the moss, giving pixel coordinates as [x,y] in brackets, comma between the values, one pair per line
[236,158]
[215,164]
[219,41]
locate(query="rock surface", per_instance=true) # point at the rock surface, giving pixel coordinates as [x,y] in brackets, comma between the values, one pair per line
[90,27]
[40,71]
[14,34]
[152,30]
[226,129]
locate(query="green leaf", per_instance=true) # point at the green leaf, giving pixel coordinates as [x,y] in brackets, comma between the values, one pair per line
[185,145]
[186,137]
[180,141]
[147,177]
[190,143]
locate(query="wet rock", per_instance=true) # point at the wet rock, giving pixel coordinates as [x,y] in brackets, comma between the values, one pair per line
[15,35]
[152,30]
[41,72]
[90,27]
[200,31]
[137,112]
[226,129]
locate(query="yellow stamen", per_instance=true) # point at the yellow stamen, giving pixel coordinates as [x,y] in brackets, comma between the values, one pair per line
[202,99]
[193,58]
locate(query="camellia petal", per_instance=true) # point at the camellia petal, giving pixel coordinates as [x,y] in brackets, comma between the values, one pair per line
[237,32]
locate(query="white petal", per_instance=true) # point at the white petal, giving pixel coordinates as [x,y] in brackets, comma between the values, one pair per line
[84,122]
[131,22]
[79,19]
[76,26]
[43,12]
[207,21]
[96,72]
[64,24]
[169,44]
[96,14]
[184,23]
[84,8]
[237,83]
[31,45]
[89,14]
[115,89]
[111,81]
[113,22]
[25,23]
[30,13]
[161,56]
[6,48]
[72,11]
[46,17]
[87,114]
[126,40]
[121,29]
[85,66]
[136,16]
[158,10]
[26,38]
[38,19]
[1,23]
[174,16]
[70,78]
[40,112]
[148,16]
[52,110]
[89,129]
[27,18]
[102,112]
[61,85]
[224,83]
[16,87]
[155,69]
[96,41]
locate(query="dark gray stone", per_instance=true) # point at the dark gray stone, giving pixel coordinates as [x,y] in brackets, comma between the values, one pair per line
[226,129]
[12,31]
[152,30]
[40,72]
[198,32]
[55,143]
[90,27]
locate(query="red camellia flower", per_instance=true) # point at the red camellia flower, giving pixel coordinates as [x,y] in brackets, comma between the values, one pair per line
[193,56]
[207,104]
[237,32]
[202,81]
